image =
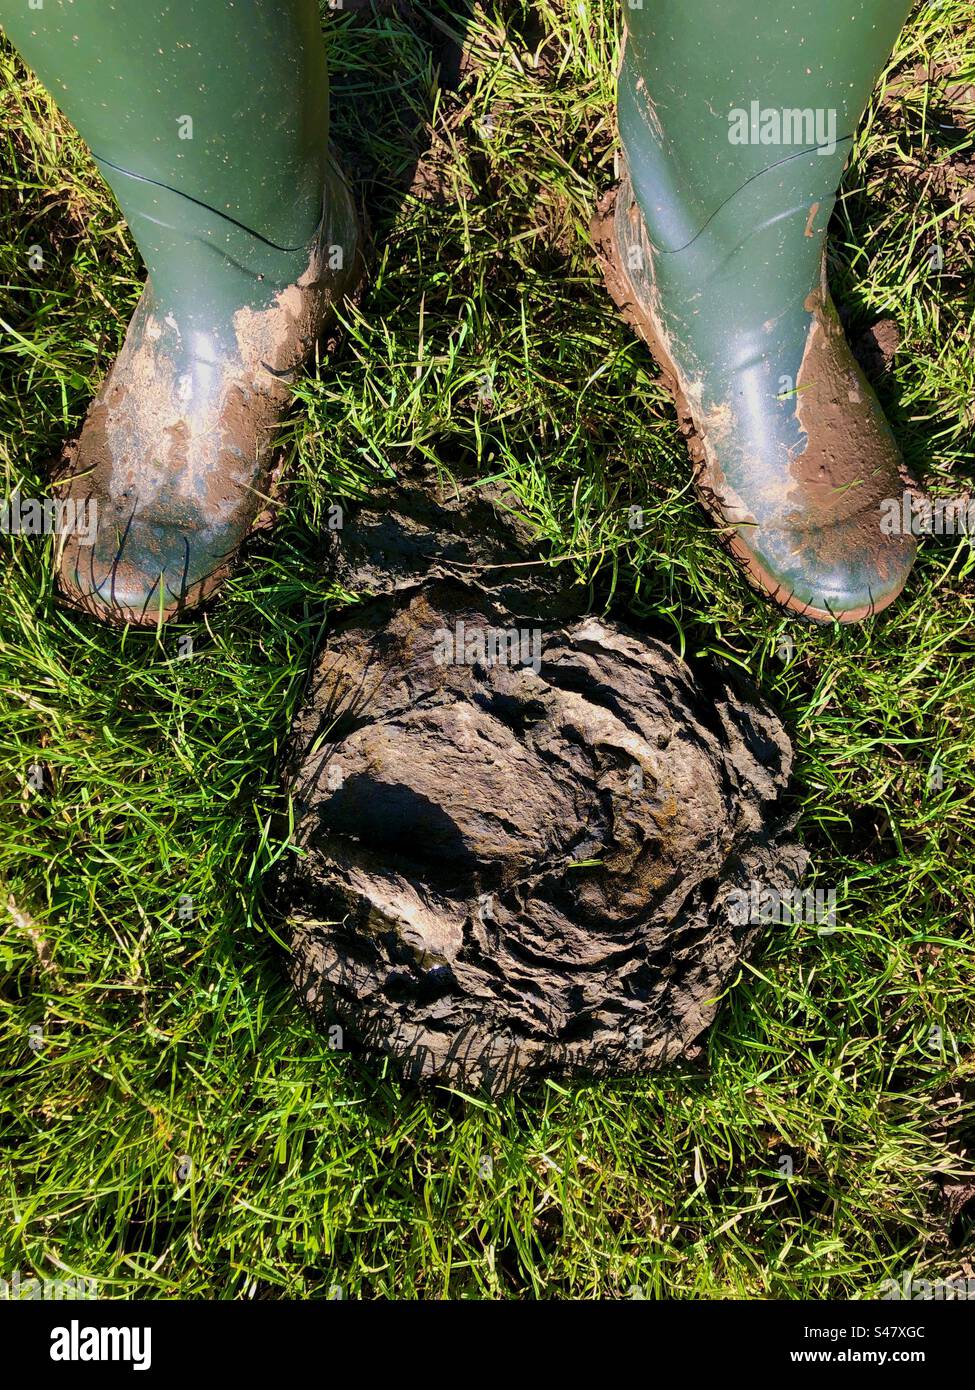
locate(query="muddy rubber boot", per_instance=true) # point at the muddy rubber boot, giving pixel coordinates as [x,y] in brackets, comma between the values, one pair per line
[736,119]
[209,121]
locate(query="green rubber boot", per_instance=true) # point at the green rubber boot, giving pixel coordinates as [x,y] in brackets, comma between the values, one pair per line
[209,121]
[736,119]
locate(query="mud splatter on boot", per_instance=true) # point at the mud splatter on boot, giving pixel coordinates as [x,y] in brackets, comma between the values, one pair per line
[176,451]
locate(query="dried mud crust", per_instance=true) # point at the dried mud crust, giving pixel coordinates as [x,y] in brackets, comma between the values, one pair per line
[508,872]
[330,338]
[642,319]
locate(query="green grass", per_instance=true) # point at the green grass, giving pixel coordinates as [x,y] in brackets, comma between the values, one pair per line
[136,938]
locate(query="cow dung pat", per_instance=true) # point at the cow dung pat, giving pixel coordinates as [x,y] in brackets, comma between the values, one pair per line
[523,839]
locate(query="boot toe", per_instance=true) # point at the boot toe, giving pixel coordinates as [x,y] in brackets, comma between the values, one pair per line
[845,572]
[143,572]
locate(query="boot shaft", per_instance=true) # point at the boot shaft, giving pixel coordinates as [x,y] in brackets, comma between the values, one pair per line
[714,93]
[208,120]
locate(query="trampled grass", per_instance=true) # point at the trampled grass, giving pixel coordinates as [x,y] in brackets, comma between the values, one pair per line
[172,1124]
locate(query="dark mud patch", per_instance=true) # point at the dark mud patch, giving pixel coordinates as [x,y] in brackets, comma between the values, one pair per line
[876,348]
[930,111]
[959,1203]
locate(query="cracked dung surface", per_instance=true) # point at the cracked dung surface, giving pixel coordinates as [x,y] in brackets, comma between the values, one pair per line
[508,872]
